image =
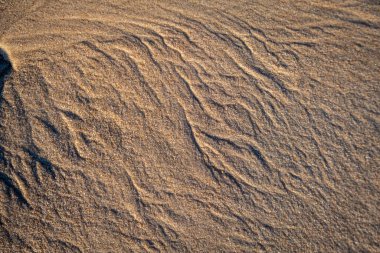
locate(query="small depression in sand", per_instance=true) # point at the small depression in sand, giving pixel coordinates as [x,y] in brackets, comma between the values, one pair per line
[5,64]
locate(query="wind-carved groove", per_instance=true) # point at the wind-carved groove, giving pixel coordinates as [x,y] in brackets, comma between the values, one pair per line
[3,159]
[45,163]
[259,157]
[11,185]
[216,173]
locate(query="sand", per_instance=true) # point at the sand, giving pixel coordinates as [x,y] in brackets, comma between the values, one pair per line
[189,126]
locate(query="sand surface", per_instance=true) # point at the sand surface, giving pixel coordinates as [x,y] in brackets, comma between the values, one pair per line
[189,126]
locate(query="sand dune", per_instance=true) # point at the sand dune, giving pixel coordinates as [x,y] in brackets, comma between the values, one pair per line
[189,126]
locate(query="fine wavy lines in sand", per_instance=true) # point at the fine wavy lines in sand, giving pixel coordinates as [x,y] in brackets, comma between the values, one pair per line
[239,34]
[156,59]
[226,31]
[161,129]
[197,26]
[170,48]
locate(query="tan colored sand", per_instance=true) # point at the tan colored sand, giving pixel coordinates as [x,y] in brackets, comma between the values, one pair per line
[190,126]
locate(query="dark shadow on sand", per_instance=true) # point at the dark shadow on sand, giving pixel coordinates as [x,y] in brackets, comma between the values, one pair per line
[5,71]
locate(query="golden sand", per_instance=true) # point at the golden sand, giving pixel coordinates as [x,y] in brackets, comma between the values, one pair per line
[189,126]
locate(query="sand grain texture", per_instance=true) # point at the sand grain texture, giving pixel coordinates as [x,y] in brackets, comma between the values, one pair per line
[189,126]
